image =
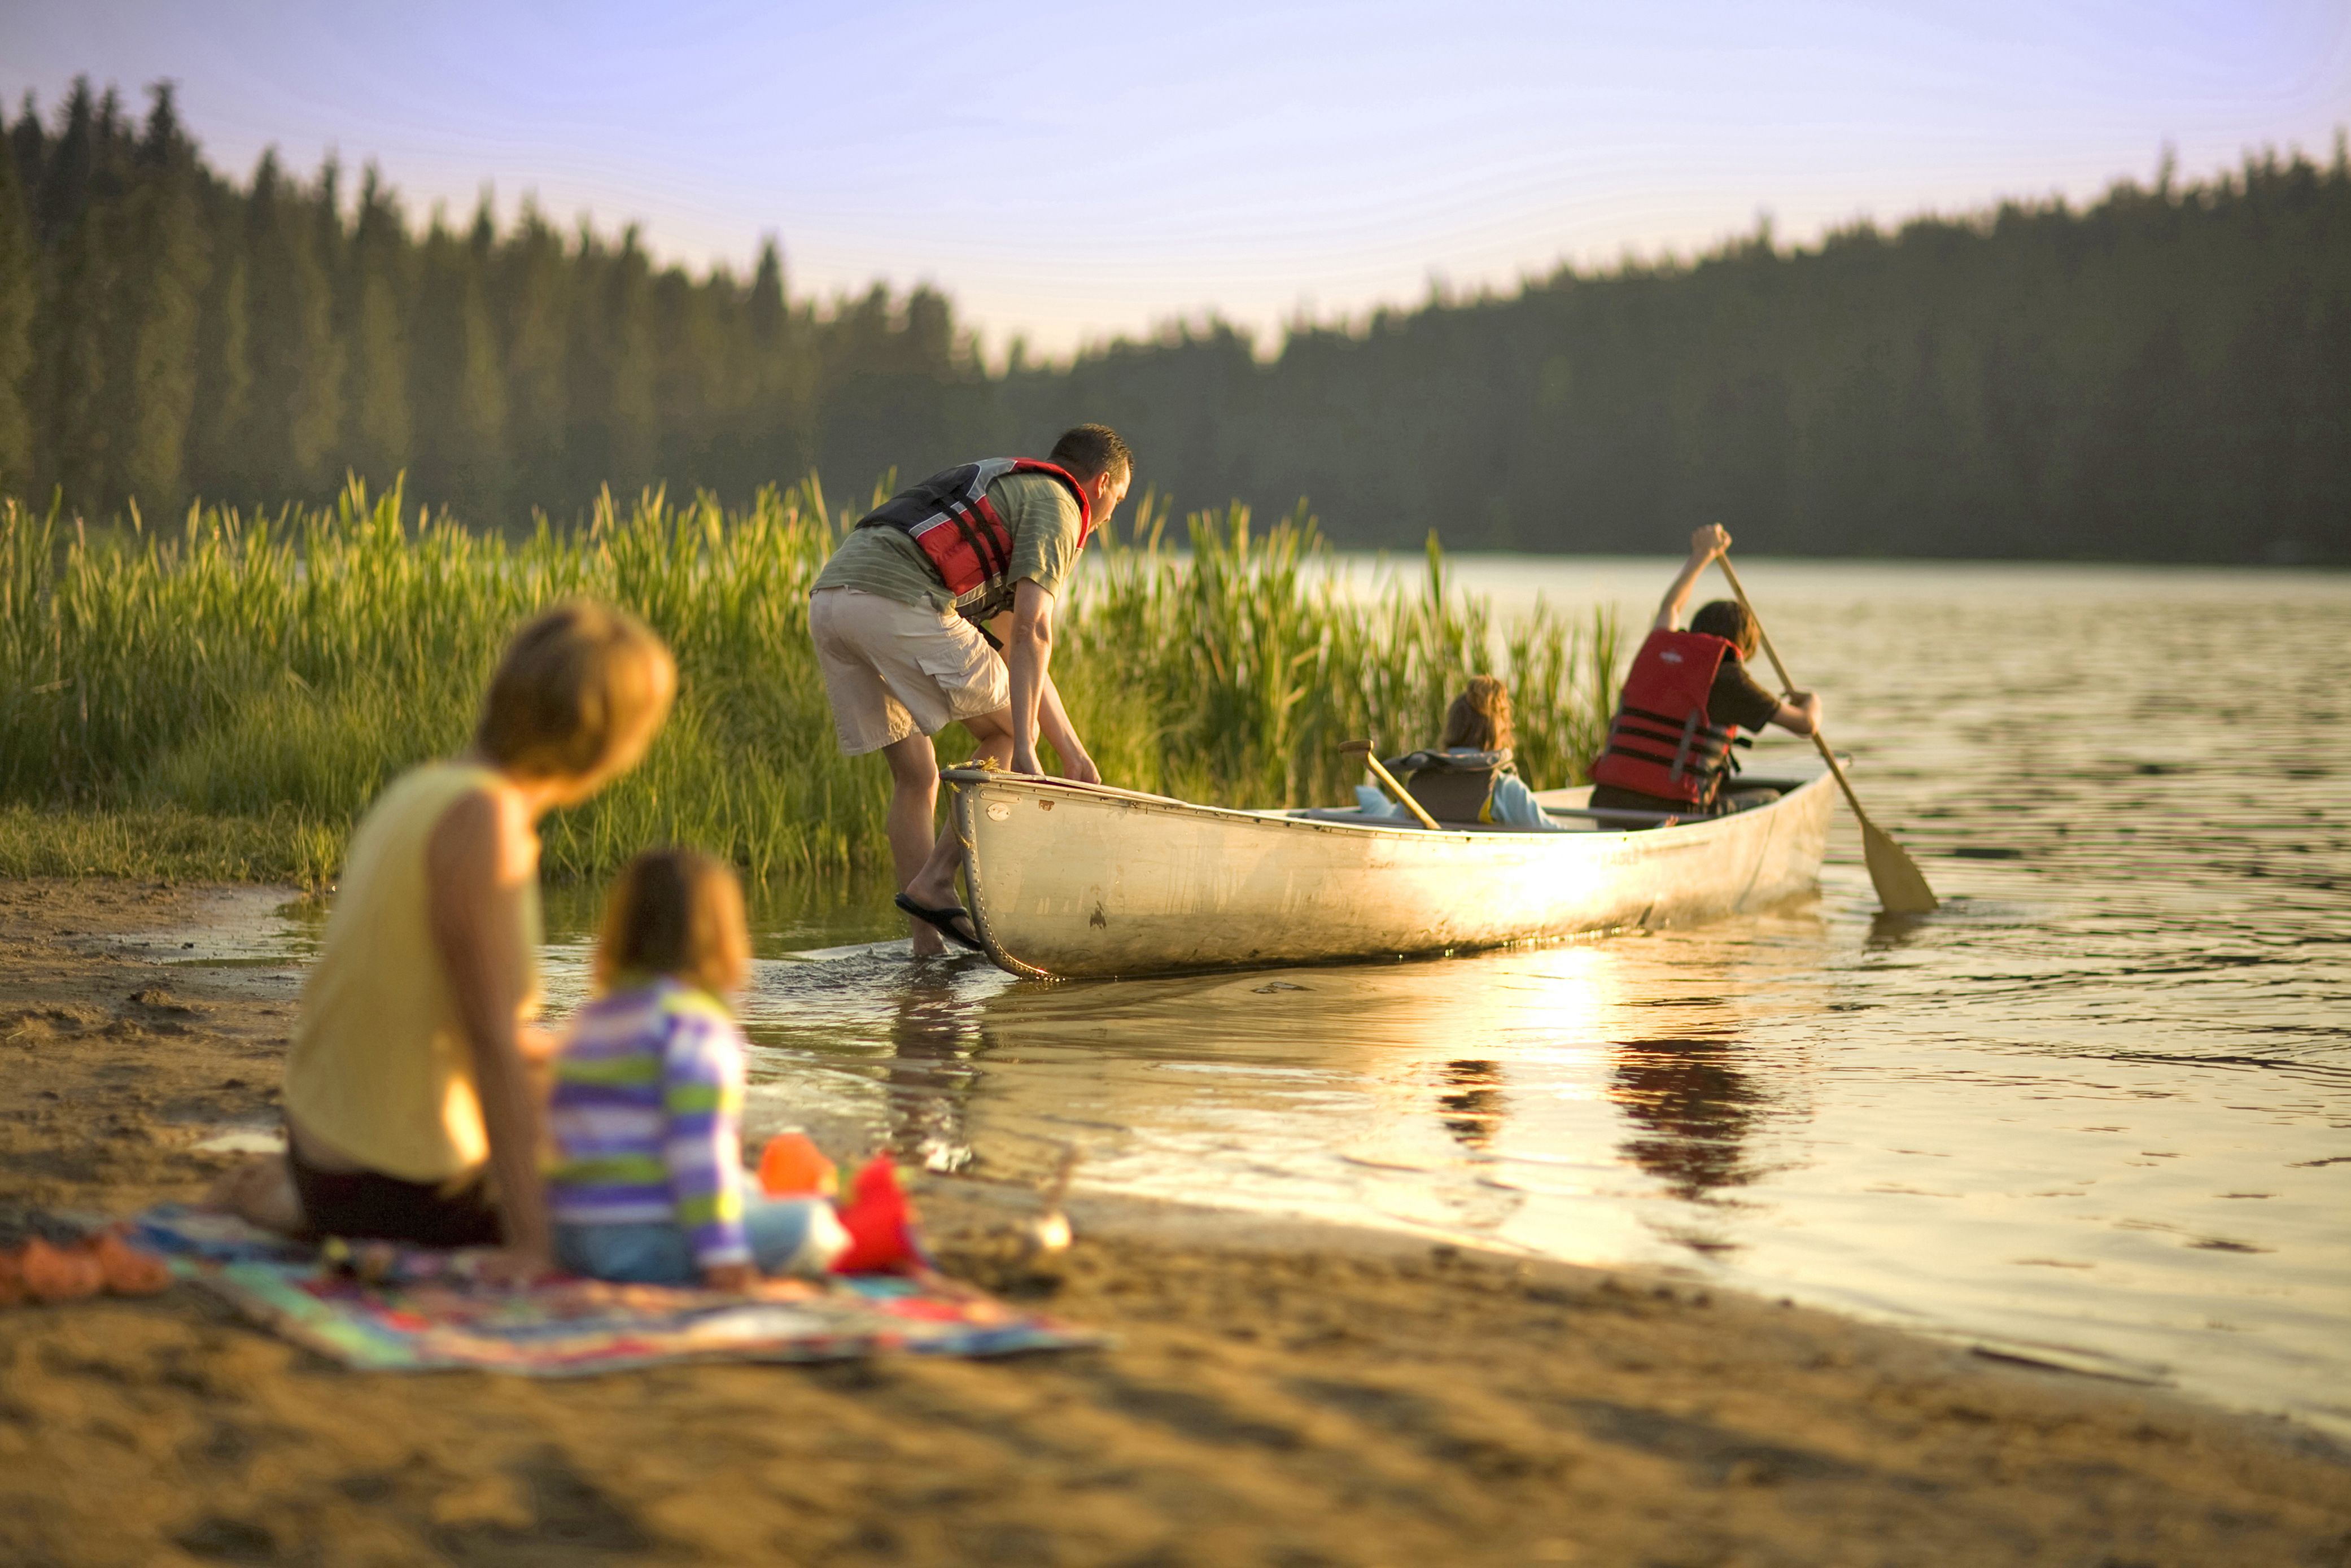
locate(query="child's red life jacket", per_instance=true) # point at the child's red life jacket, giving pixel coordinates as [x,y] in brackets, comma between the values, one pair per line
[1660,743]
[950,517]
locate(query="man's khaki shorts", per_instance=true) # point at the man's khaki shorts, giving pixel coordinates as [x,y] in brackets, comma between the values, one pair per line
[892,669]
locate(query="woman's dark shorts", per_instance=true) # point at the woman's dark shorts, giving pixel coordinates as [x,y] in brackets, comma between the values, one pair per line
[383,1207]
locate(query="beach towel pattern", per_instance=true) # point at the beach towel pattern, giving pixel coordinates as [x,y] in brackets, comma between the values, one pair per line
[380,1308]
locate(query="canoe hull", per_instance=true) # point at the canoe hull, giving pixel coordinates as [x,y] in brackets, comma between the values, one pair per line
[1073,880]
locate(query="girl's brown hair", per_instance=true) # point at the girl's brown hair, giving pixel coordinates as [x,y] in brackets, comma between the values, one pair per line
[1480,717]
[576,683]
[677,912]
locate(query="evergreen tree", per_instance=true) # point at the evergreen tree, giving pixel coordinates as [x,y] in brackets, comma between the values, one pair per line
[165,262]
[696,379]
[531,298]
[66,170]
[83,199]
[297,364]
[28,148]
[459,414]
[610,359]
[375,310]
[19,294]
[222,466]
[775,422]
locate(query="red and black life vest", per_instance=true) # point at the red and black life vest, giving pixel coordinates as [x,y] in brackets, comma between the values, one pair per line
[1660,743]
[951,517]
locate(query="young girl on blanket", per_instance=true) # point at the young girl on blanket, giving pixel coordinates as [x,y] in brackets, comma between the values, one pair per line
[647,1185]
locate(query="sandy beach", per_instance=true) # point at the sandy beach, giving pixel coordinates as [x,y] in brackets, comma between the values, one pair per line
[1286,1394]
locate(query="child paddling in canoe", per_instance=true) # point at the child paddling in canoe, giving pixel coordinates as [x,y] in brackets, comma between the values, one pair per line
[1685,698]
[647,1182]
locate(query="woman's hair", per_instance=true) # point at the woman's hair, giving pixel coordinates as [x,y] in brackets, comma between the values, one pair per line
[573,686]
[1729,620]
[677,912]
[1479,718]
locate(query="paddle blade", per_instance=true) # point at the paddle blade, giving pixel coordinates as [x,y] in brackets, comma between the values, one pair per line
[1901,886]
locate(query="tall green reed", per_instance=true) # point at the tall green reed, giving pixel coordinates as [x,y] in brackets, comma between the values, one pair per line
[279,669]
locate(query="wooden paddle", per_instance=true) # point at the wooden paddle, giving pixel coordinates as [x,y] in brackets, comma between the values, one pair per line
[1901,886]
[1348,747]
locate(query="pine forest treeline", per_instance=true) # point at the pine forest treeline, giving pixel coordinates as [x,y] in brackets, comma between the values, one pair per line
[2162,376]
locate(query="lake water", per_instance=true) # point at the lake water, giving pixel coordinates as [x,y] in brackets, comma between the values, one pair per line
[2096,1111]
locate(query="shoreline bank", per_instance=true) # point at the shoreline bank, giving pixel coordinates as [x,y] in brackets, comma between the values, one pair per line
[1280,1391]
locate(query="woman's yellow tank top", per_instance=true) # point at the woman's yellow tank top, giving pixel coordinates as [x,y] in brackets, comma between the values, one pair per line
[380,1069]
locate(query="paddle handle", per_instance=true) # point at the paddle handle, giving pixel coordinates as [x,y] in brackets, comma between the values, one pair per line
[1787,684]
[1389,778]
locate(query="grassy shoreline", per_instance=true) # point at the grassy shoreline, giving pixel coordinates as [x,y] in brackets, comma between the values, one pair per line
[222,700]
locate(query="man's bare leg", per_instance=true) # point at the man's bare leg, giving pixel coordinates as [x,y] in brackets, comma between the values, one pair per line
[934,886]
[914,805]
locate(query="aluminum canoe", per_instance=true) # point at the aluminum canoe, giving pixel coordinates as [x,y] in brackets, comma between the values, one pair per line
[1070,880]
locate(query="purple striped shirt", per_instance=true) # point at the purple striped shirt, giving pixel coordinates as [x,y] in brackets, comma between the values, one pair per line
[646,1112]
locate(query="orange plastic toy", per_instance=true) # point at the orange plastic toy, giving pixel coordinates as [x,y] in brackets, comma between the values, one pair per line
[792,1167]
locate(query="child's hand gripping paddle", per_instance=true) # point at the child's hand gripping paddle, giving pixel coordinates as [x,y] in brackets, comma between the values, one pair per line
[1901,886]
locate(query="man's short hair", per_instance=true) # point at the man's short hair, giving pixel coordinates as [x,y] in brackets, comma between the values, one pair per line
[1729,620]
[1087,450]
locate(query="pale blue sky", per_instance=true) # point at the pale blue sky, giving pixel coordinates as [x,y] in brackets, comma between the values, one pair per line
[1071,171]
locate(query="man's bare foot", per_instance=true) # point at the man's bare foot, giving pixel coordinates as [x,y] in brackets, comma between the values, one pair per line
[944,922]
[925,938]
[260,1192]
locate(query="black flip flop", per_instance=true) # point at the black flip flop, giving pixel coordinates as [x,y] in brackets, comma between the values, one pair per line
[941,920]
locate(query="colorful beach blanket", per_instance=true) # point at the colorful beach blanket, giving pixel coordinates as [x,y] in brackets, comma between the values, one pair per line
[384,1309]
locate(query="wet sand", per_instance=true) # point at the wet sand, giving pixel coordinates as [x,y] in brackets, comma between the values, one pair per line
[1278,1395]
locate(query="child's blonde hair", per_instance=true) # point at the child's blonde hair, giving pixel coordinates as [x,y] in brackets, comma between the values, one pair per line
[577,682]
[677,912]
[1480,717]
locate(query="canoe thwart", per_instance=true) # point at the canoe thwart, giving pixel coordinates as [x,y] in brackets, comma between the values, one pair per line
[1608,814]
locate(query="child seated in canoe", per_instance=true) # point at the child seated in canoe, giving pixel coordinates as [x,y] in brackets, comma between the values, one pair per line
[1685,698]
[1467,778]
[647,1181]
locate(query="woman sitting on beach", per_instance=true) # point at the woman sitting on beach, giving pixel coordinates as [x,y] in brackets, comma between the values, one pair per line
[411,1111]
[647,1182]
[1467,779]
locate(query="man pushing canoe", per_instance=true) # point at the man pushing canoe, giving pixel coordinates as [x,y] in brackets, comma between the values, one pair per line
[909,617]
